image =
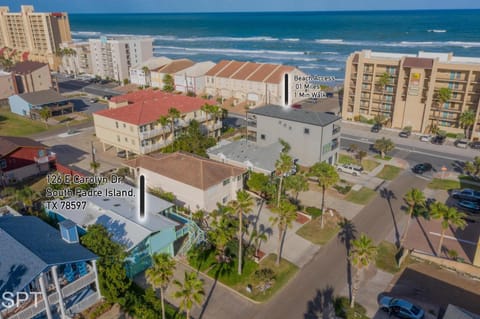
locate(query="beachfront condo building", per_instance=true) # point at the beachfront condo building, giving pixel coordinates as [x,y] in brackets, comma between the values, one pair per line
[140,74]
[426,91]
[131,124]
[75,58]
[252,84]
[157,76]
[113,57]
[29,35]
[192,79]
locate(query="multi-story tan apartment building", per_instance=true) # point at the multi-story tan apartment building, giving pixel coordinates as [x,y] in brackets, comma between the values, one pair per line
[31,77]
[131,123]
[252,83]
[76,58]
[112,58]
[409,94]
[158,75]
[32,35]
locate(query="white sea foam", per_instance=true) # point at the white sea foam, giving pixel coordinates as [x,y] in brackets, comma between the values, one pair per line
[437,31]
[332,41]
[86,33]
[332,69]
[291,39]
[228,39]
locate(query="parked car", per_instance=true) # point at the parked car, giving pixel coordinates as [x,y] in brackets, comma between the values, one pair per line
[355,170]
[439,140]
[297,106]
[466,194]
[461,143]
[401,308]
[425,138]
[376,128]
[422,168]
[469,205]
[475,145]
[405,134]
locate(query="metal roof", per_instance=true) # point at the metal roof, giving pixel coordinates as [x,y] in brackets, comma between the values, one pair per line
[295,115]
[120,215]
[29,246]
[43,97]
[249,154]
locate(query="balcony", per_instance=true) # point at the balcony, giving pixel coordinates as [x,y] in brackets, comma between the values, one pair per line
[154,147]
[252,123]
[154,132]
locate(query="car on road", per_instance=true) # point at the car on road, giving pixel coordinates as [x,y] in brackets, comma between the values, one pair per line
[297,106]
[405,134]
[354,170]
[469,205]
[439,140]
[461,143]
[376,128]
[425,138]
[401,308]
[466,194]
[475,145]
[422,168]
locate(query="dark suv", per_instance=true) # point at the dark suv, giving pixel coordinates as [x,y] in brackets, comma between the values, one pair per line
[376,128]
[475,145]
[439,140]
[405,134]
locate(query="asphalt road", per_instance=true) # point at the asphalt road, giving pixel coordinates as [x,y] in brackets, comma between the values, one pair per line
[326,274]
[67,85]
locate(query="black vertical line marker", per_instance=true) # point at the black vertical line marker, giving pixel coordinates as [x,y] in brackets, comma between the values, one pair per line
[142,196]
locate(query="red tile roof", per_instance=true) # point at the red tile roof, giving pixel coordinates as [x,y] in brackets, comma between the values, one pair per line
[188,169]
[230,69]
[146,106]
[276,76]
[247,69]
[261,73]
[220,65]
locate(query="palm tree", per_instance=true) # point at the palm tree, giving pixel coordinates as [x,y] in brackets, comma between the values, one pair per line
[242,205]
[163,121]
[327,176]
[297,183]
[257,237]
[413,198]
[448,216]
[282,166]
[442,96]
[146,72]
[215,113]
[45,114]
[361,256]
[467,120]
[361,155]
[190,292]
[173,114]
[222,232]
[94,166]
[382,83]
[284,216]
[160,274]
[384,145]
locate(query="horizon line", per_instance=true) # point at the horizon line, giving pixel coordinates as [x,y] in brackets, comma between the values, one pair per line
[279,11]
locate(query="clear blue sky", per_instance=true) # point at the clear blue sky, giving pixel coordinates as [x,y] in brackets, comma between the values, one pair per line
[116,6]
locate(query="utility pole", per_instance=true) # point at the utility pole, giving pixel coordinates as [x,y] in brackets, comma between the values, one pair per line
[93,159]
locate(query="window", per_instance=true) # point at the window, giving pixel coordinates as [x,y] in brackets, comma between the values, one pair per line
[41,153]
[262,136]
[116,124]
[3,163]
[446,105]
[124,125]
[226,181]
[306,131]
[225,200]
[326,148]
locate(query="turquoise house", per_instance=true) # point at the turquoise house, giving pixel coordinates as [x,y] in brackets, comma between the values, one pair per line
[158,232]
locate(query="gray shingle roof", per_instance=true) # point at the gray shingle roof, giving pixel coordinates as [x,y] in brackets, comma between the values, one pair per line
[29,246]
[43,97]
[295,115]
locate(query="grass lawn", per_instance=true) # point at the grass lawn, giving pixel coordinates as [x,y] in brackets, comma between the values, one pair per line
[389,172]
[386,158]
[386,258]
[346,159]
[228,275]
[445,184]
[312,231]
[361,197]
[284,273]
[16,125]
[369,165]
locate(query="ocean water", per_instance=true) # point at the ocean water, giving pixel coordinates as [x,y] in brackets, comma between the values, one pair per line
[316,42]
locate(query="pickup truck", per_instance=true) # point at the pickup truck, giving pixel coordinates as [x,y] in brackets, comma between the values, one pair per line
[466,194]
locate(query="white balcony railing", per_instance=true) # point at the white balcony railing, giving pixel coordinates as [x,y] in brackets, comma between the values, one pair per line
[154,132]
[154,147]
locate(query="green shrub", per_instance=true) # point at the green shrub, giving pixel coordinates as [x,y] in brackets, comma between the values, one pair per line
[343,310]
[343,189]
[100,310]
[451,135]
[313,211]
